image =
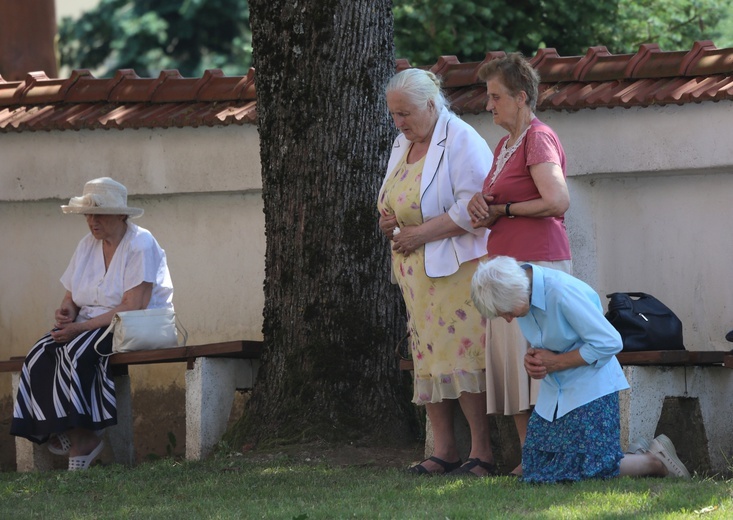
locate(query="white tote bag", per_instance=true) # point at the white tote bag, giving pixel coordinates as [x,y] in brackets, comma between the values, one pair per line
[145,329]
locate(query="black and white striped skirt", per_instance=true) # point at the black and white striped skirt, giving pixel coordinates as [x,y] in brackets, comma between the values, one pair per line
[65,386]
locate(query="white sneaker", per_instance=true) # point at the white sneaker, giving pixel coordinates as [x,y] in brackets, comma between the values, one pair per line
[638,445]
[663,449]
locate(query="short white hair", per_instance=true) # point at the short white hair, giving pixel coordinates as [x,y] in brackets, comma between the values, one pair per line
[420,86]
[499,285]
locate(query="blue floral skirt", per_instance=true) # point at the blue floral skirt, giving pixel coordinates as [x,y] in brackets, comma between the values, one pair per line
[585,443]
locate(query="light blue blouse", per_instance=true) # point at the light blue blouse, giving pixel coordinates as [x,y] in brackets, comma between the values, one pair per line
[566,314]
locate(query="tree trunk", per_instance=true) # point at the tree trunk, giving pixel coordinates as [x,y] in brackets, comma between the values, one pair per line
[27,34]
[331,317]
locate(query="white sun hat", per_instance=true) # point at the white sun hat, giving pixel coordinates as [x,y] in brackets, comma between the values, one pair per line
[103,196]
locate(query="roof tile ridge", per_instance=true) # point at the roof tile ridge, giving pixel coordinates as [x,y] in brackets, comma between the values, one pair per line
[641,57]
[651,62]
[552,67]
[171,87]
[542,56]
[75,76]
[128,87]
[216,86]
[490,56]
[31,78]
[586,64]
[39,89]
[165,76]
[713,61]
[457,75]
[210,75]
[699,50]
[86,88]
[402,64]
[246,89]
[443,65]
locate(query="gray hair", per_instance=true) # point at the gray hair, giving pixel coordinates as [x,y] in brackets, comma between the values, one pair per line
[498,286]
[420,87]
[516,74]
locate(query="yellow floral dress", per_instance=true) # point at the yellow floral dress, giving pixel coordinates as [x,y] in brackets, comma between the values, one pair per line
[447,333]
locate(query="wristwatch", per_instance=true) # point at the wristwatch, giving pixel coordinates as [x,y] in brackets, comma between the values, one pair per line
[506,210]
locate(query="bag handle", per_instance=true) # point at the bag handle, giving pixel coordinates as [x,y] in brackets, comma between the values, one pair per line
[111,327]
[182,330]
[632,294]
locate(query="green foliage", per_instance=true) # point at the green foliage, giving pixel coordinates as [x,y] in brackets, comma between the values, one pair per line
[195,35]
[673,24]
[427,29]
[152,35]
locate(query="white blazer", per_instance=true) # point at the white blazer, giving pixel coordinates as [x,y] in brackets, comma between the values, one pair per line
[456,165]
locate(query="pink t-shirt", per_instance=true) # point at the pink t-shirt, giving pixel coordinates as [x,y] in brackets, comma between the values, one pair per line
[527,238]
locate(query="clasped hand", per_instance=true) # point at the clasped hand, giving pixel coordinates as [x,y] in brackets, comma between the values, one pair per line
[65,328]
[406,241]
[539,362]
[479,209]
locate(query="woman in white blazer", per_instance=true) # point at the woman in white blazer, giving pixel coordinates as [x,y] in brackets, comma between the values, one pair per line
[437,164]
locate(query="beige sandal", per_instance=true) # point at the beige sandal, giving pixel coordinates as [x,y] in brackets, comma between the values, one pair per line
[64,444]
[84,461]
[663,449]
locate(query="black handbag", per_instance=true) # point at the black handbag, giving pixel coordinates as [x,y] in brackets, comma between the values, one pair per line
[644,322]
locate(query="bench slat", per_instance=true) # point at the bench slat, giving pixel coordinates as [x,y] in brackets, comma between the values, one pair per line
[671,357]
[728,361]
[656,357]
[11,365]
[246,349]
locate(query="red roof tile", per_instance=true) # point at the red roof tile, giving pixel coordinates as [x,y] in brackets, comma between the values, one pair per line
[598,79]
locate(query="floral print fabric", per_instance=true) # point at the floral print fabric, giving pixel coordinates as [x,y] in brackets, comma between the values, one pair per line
[447,333]
[584,443]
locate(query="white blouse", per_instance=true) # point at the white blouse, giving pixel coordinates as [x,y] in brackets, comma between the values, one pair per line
[138,259]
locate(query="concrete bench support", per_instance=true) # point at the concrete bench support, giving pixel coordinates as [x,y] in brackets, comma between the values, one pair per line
[120,437]
[712,386]
[210,388]
[29,456]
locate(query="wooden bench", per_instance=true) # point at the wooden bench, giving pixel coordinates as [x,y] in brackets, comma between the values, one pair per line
[656,376]
[696,387]
[657,358]
[214,372]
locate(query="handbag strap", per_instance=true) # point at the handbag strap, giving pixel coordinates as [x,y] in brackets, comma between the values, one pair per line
[111,327]
[180,328]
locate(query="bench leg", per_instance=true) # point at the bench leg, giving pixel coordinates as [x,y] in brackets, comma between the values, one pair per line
[29,456]
[641,405]
[210,388]
[120,436]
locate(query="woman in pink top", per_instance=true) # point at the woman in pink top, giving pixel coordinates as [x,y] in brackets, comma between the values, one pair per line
[523,203]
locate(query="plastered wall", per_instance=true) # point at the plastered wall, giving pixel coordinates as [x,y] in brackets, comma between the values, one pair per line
[651,211]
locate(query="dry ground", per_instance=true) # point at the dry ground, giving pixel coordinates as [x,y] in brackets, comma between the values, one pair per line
[163,422]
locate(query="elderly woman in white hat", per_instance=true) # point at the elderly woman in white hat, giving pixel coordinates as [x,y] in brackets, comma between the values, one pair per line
[66,393]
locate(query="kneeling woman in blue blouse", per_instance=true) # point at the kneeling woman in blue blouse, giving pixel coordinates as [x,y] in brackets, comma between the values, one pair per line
[574,431]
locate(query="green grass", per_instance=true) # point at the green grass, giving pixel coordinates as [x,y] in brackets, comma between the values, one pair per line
[284,487]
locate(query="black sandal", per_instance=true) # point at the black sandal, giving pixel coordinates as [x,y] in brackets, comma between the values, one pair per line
[419,469]
[466,468]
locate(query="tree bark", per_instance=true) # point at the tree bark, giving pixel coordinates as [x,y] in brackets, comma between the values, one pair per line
[27,35]
[331,317]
